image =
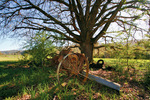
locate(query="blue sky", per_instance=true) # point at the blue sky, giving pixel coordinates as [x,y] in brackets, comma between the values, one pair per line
[16,44]
[10,44]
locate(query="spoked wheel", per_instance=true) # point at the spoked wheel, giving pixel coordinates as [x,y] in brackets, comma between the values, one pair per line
[72,65]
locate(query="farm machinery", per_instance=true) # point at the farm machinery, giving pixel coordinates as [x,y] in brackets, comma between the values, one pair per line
[76,65]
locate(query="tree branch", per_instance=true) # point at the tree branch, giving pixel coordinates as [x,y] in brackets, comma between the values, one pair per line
[87,9]
[102,11]
[49,29]
[103,31]
[73,20]
[80,8]
[61,1]
[94,12]
[55,20]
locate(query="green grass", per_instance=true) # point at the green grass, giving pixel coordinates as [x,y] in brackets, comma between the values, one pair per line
[41,84]
[137,63]
[109,60]
[10,57]
[22,80]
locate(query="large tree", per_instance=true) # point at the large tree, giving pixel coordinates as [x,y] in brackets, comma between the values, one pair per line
[80,21]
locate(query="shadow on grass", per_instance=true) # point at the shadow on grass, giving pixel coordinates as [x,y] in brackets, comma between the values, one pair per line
[14,79]
[5,63]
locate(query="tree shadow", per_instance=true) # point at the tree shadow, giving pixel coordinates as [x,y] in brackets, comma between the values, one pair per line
[13,79]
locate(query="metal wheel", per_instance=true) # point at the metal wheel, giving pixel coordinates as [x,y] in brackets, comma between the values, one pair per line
[72,65]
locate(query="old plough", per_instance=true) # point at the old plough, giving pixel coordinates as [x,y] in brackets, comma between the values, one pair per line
[76,64]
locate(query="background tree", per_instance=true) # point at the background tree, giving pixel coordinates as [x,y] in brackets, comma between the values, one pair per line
[80,21]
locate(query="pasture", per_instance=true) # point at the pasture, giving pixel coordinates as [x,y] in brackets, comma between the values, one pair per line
[40,83]
[10,57]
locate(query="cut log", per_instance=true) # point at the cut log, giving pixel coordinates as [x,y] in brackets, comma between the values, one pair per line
[103,81]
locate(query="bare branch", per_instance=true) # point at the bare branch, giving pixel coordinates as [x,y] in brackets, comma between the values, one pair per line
[62,2]
[103,31]
[80,8]
[102,11]
[55,20]
[87,9]
[94,12]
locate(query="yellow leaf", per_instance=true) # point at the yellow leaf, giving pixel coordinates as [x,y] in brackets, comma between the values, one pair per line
[64,84]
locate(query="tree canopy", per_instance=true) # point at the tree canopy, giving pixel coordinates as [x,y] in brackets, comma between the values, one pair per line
[80,21]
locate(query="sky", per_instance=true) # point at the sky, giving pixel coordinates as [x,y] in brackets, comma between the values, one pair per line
[10,44]
[16,44]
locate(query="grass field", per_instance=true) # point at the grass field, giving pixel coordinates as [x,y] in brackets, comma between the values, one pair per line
[10,57]
[112,60]
[41,84]
[137,63]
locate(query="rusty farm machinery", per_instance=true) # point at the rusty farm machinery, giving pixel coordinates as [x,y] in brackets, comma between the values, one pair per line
[75,65]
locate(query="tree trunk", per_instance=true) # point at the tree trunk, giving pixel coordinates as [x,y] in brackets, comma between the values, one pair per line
[87,49]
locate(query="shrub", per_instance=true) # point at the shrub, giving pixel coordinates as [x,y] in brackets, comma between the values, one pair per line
[39,47]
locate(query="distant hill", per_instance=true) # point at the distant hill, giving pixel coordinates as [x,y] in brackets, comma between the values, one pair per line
[13,52]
